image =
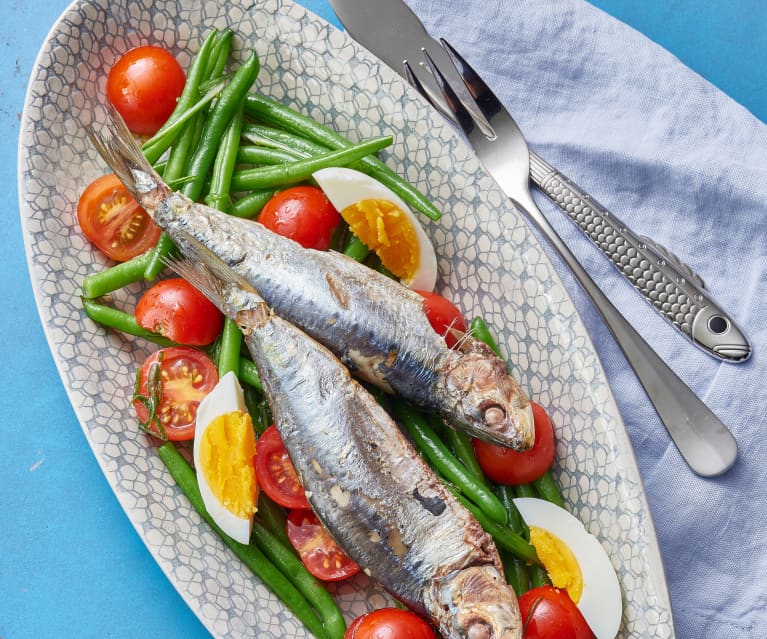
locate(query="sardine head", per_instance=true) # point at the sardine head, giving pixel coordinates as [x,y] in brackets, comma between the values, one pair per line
[475,603]
[483,399]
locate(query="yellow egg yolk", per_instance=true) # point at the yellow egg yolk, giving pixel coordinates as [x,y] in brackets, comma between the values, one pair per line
[385,229]
[227,449]
[559,561]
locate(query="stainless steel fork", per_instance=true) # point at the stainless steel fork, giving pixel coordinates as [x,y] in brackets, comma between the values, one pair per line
[702,439]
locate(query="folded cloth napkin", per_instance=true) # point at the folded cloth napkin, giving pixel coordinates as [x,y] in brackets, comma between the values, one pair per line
[682,163]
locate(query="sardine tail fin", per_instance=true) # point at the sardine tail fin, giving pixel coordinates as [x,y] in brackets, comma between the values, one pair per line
[116,145]
[207,272]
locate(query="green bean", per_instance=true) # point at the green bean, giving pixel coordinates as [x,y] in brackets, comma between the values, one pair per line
[227,105]
[504,537]
[480,331]
[538,575]
[460,443]
[219,54]
[229,355]
[253,154]
[273,137]
[218,196]
[159,142]
[275,113]
[250,555]
[432,447]
[302,579]
[273,517]
[525,490]
[249,374]
[116,277]
[516,523]
[196,74]
[300,170]
[516,571]
[546,487]
[516,568]
[251,204]
[356,249]
[121,321]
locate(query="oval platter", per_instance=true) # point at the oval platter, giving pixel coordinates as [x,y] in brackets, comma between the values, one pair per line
[490,265]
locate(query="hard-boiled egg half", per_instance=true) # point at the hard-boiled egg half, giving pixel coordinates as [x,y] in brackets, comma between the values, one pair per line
[224,448]
[576,562]
[384,223]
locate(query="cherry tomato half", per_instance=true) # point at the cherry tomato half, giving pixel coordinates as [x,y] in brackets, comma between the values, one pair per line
[275,472]
[302,213]
[144,85]
[111,219]
[176,309]
[506,466]
[549,613]
[186,375]
[389,623]
[443,315]
[321,555]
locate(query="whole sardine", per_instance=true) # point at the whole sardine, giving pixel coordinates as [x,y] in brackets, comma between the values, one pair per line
[369,487]
[375,325]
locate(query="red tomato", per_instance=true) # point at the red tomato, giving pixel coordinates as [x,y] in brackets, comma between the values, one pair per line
[321,555]
[506,466]
[389,623]
[302,213]
[443,315]
[275,472]
[144,85]
[549,613]
[111,219]
[176,309]
[185,375]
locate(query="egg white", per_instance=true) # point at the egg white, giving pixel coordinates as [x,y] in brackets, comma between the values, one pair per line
[344,187]
[600,602]
[226,397]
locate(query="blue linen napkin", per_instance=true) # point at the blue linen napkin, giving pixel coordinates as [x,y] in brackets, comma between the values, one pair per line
[679,161]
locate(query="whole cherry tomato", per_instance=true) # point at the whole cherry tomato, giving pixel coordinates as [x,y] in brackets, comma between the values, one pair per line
[506,466]
[302,213]
[144,85]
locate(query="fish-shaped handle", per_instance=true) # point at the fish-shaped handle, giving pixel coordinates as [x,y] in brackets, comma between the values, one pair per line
[668,284]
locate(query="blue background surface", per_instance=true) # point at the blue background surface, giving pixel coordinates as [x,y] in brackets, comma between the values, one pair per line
[71,564]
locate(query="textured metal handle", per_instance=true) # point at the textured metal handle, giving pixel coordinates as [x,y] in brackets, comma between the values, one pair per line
[668,284]
[702,439]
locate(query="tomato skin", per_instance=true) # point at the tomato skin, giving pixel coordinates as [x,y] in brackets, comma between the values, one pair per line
[302,213]
[144,85]
[187,376]
[321,555]
[549,613]
[389,623]
[275,472]
[112,220]
[506,466]
[443,315]
[176,309]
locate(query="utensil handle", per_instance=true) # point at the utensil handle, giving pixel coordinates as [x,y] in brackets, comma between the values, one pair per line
[702,439]
[665,282]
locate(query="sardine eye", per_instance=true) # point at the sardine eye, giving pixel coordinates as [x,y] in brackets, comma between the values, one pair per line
[493,414]
[479,630]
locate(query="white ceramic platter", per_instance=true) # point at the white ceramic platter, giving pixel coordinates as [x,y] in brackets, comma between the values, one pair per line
[490,264]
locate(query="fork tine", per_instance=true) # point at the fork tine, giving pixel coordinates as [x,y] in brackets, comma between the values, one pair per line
[486,100]
[458,111]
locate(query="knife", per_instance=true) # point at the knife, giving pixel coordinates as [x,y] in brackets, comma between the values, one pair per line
[669,285]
